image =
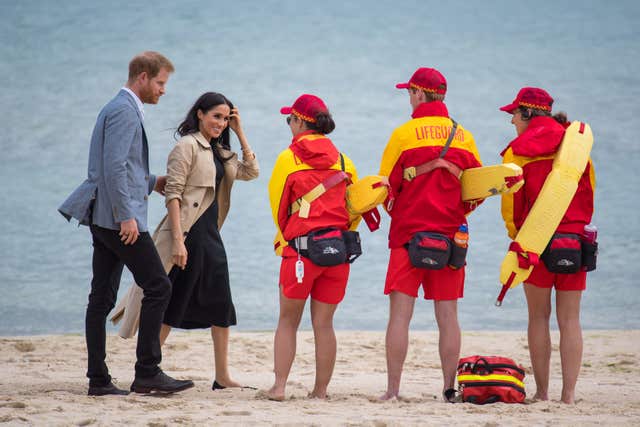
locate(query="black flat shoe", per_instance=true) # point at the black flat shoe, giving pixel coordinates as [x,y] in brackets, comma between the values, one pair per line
[106,390]
[217,386]
[451,395]
[160,383]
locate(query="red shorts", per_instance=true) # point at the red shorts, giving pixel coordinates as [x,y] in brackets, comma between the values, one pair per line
[439,285]
[542,278]
[324,284]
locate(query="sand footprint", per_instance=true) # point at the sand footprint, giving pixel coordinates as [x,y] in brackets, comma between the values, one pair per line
[232,413]
[16,405]
[24,346]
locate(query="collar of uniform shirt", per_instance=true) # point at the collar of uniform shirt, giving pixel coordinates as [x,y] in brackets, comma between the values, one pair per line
[138,102]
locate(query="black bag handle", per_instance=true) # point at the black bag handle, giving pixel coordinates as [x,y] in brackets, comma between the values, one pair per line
[484,367]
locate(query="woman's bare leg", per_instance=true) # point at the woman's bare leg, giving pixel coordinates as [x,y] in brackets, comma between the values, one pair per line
[220,337]
[568,313]
[325,345]
[164,333]
[539,305]
[284,346]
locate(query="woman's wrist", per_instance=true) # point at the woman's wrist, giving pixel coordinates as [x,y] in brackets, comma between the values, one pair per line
[246,150]
[239,133]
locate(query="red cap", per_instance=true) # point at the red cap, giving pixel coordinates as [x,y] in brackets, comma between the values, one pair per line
[306,108]
[530,97]
[427,79]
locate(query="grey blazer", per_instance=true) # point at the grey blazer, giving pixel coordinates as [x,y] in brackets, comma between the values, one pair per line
[119,181]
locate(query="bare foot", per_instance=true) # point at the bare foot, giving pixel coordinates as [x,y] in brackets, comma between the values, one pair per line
[389,395]
[317,395]
[540,396]
[275,394]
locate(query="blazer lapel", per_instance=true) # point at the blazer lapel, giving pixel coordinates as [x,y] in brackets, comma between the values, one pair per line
[145,145]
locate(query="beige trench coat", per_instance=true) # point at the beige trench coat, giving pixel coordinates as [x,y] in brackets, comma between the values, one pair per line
[191,179]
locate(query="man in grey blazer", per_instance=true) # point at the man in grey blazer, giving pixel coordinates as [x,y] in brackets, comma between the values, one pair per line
[112,201]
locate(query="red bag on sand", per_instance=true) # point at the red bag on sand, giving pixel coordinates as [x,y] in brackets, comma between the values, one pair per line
[490,379]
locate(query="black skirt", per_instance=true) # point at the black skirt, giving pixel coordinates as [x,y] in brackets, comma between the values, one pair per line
[201,296]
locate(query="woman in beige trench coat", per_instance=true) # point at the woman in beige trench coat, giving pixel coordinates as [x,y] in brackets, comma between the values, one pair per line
[201,170]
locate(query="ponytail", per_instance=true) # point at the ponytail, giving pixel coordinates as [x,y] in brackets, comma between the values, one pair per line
[560,117]
[324,123]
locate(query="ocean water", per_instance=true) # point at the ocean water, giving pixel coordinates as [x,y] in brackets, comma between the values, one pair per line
[60,62]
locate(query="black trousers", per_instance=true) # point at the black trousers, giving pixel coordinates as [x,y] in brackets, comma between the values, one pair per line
[110,255]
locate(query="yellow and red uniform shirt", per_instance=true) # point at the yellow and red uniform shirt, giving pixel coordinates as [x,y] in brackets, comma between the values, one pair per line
[534,152]
[432,201]
[308,161]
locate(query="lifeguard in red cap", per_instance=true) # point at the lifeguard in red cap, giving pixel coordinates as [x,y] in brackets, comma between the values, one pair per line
[424,159]
[314,237]
[534,149]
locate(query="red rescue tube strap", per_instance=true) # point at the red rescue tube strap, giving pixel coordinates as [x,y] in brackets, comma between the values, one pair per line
[525,259]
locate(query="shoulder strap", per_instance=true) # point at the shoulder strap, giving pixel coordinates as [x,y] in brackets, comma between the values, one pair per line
[303,203]
[448,143]
[411,172]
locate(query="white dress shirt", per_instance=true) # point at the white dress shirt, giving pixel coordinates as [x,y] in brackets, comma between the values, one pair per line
[138,102]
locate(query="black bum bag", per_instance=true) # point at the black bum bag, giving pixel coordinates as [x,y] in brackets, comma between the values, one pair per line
[329,246]
[568,254]
[434,251]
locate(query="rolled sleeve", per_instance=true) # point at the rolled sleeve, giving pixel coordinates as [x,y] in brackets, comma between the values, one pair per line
[248,168]
[178,167]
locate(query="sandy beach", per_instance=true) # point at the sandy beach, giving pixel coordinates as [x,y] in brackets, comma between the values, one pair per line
[42,383]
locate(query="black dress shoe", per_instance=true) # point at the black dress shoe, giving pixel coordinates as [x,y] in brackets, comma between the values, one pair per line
[106,390]
[160,383]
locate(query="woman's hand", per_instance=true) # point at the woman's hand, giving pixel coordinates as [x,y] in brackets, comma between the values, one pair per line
[236,125]
[234,121]
[161,182]
[179,253]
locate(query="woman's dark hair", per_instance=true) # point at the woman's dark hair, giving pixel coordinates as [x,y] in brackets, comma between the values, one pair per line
[324,123]
[528,113]
[561,117]
[190,124]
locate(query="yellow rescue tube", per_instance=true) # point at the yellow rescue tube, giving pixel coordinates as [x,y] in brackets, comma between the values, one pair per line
[552,202]
[480,183]
[365,194]
[477,183]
